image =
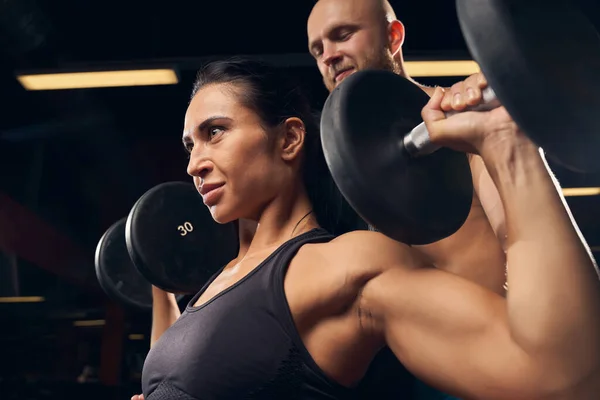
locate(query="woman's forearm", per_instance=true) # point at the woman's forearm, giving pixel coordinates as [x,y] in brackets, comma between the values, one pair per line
[554,290]
[165,312]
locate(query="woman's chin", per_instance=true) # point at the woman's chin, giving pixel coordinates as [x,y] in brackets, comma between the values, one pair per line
[219,216]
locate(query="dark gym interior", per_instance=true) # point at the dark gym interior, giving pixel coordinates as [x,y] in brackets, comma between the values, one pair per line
[74,161]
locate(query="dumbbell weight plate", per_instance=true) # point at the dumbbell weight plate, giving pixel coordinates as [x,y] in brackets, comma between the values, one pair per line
[174,241]
[415,200]
[116,274]
[542,58]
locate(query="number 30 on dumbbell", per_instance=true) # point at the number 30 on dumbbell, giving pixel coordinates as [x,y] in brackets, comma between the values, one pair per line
[168,240]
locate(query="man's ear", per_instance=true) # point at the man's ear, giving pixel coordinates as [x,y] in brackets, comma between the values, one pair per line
[395,36]
[293,135]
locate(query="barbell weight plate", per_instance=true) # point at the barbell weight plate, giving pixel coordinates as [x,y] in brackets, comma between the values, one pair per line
[416,200]
[115,272]
[174,241]
[542,58]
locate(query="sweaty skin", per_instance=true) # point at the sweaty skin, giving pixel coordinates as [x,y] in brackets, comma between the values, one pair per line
[345,36]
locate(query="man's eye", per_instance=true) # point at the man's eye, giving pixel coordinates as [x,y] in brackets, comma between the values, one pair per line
[345,35]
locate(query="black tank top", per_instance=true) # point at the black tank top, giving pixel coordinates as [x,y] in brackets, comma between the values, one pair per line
[242,344]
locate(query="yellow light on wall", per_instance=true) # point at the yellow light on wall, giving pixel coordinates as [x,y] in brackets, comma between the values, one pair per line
[583,191]
[136,336]
[441,68]
[22,299]
[94,322]
[98,79]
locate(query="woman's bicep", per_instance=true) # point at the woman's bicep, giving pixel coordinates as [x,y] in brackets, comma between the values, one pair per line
[451,333]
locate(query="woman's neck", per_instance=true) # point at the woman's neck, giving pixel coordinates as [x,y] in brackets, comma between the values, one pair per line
[246,231]
[284,218]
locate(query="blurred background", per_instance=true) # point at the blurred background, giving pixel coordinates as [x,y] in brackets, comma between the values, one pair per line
[73,161]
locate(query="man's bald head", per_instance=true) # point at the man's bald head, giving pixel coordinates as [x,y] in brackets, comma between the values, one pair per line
[379,10]
[345,36]
[387,9]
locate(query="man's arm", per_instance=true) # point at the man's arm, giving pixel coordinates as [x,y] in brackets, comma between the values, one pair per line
[544,338]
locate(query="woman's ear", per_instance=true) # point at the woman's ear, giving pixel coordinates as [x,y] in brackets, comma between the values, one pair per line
[294,133]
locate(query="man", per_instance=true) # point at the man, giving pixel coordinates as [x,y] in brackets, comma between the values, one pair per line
[345,36]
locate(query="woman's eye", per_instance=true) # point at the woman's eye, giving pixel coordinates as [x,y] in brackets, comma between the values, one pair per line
[215,130]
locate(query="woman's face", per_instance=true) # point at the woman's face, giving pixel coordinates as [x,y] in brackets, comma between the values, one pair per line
[234,162]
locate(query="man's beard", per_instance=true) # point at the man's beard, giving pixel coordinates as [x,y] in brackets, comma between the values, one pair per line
[380,60]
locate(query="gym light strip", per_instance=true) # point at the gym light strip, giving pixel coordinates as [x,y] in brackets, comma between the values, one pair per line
[136,336]
[582,191]
[22,299]
[440,68]
[94,322]
[84,80]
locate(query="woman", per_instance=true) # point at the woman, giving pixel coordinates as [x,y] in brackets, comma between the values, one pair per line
[304,310]
[387,377]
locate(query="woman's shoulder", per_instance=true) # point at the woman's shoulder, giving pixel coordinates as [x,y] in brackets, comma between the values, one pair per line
[367,249]
[367,240]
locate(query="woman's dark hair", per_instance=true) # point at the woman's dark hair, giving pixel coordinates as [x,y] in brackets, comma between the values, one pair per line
[275,97]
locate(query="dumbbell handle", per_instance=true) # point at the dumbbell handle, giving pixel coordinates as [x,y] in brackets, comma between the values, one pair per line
[418,142]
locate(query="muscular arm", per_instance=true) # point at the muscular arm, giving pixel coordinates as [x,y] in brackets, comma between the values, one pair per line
[452,334]
[485,190]
[480,240]
[554,296]
[489,198]
[165,312]
[542,341]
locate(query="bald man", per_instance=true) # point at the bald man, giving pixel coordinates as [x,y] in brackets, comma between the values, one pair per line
[345,36]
